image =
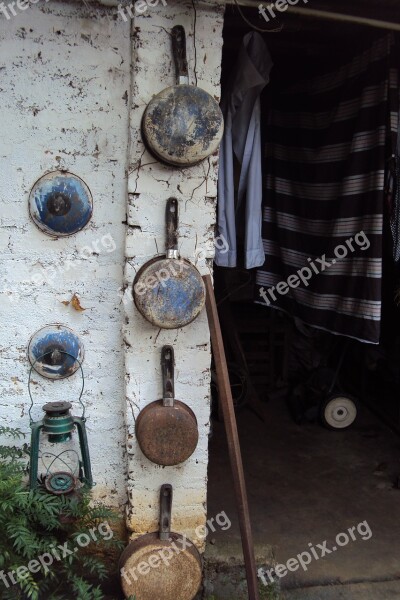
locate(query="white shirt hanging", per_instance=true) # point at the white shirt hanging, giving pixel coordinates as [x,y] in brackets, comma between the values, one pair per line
[242,139]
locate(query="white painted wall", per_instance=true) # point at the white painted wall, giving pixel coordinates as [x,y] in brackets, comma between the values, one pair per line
[67,100]
[150,184]
[63,77]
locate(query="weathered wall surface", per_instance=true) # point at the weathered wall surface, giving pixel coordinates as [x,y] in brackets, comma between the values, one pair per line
[65,78]
[73,91]
[150,184]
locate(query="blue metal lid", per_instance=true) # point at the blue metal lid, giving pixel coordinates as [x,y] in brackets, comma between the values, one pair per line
[54,351]
[60,204]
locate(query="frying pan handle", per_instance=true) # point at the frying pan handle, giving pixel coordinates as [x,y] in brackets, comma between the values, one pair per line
[179,53]
[167,366]
[165,511]
[171,218]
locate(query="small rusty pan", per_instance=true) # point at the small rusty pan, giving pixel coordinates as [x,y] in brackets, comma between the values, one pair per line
[166,430]
[162,565]
[169,291]
[183,124]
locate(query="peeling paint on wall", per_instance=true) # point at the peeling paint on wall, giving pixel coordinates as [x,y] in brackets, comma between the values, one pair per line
[71,83]
[64,78]
[150,185]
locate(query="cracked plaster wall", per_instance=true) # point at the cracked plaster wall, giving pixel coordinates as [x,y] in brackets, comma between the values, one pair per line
[149,186]
[72,79]
[64,83]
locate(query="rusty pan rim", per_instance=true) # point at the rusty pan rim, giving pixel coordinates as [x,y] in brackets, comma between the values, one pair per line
[177,404]
[153,538]
[183,408]
[180,86]
[147,138]
[161,258]
[134,545]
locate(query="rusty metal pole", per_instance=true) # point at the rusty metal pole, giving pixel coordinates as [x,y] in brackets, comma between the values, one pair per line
[313,13]
[228,411]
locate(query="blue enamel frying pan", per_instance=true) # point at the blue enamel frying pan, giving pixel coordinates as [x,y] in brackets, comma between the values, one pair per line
[169,291]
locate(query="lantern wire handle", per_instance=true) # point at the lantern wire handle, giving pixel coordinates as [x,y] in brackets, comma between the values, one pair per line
[30,376]
[56,457]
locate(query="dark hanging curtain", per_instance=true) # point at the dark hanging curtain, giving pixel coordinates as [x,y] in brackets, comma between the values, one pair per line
[329,143]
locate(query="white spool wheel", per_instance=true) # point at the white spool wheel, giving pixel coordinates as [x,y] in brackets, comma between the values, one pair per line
[338,412]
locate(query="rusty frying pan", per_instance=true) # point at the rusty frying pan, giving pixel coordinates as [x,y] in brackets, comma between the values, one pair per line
[162,565]
[183,124]
[166,430]
[169,291]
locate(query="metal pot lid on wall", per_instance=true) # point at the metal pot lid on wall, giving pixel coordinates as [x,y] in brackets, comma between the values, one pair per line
[60,204]
[54,351]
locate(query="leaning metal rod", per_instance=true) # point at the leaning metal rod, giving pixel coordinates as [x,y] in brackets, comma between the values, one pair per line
[235,456]
[315,13]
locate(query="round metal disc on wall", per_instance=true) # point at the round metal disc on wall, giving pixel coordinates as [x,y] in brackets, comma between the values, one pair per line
[60,204]
[54,351]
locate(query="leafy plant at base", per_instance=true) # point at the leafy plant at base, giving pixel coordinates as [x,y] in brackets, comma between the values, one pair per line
[34,522]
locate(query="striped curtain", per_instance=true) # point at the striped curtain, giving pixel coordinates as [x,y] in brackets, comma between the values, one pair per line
[329,141]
